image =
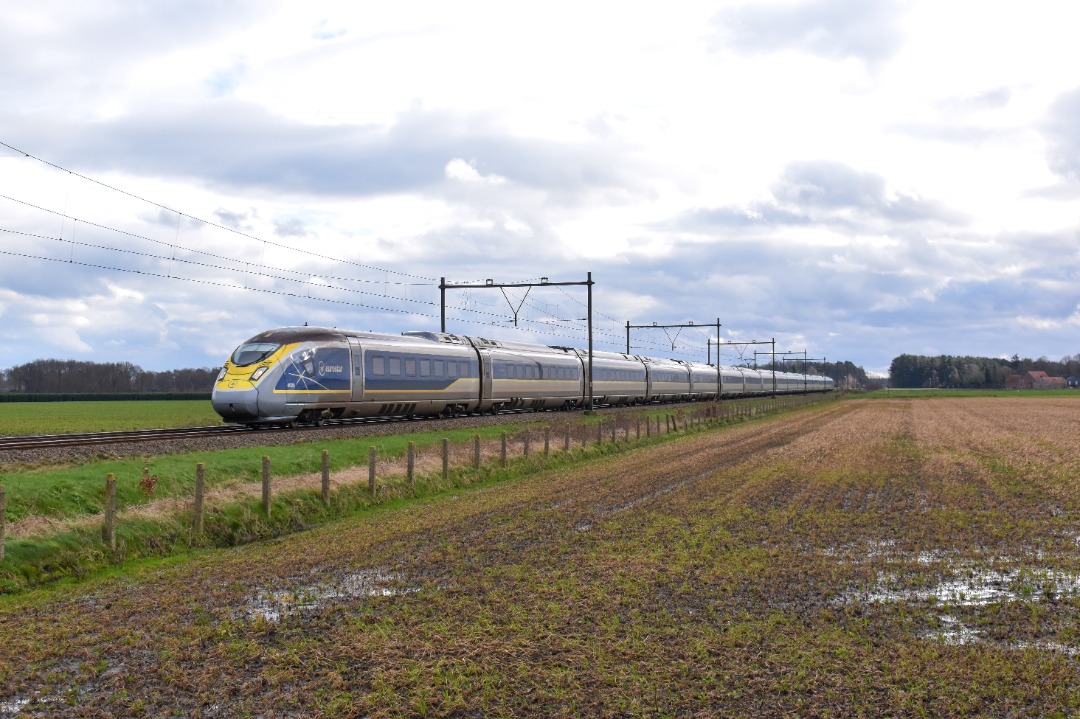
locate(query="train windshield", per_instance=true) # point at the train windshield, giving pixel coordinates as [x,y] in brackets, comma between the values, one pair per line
[253,352]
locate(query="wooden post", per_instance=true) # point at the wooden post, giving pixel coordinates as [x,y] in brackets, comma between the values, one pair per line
[108,530]
[200,489]
[476,451]
[648,427]
[525,445]
[600,432]
[266,485]
[410,463]
[3,520]
[567,438]
[504,462]
[547,441]
[371,470]
[638,428]
[445,459]
[326,477]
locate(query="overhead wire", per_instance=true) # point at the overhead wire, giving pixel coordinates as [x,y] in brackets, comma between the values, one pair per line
[274,273]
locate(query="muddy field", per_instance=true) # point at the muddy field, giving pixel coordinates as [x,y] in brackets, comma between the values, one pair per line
[863,558]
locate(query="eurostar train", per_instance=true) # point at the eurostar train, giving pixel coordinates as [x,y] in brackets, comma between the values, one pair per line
[314,374]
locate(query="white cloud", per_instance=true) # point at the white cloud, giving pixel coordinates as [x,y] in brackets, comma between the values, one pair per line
[463,171]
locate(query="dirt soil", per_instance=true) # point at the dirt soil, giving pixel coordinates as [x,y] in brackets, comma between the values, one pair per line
[863,558]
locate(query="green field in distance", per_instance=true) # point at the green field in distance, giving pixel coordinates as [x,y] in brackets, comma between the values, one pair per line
[18,418]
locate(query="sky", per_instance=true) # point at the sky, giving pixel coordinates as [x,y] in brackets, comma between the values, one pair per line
[857,179]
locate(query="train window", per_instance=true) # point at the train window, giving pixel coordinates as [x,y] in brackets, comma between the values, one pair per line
[410,367]
[253,352]
[451,369]
[425,368]
[440,368]
[378,366]
[395,366]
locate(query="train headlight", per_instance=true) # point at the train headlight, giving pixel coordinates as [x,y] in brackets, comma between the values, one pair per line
[258,373]
[221,374]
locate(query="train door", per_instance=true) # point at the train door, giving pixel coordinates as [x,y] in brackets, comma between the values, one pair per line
[486,387]
[357,369]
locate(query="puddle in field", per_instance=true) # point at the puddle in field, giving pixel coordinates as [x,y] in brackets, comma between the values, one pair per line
[12,707]
[975,587]
[966,585]
[273,606]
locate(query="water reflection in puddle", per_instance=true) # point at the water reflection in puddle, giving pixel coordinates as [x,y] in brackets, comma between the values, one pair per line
[273,605]
[975,587]
[966,585]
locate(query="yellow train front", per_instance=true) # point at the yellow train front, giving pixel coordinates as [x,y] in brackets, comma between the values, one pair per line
[313,374]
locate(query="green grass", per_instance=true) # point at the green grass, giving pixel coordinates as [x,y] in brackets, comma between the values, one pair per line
[17,418]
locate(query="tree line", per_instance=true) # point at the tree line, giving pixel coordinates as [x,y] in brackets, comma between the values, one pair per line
[54,376]
[912,371]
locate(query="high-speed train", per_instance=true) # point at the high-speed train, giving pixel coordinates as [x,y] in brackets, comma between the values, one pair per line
[312,374]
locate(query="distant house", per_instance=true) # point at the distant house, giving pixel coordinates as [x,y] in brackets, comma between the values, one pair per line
[1073,381]
[1018,381]
[1036,379]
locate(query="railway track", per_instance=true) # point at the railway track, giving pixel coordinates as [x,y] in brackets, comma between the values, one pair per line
[41,441]
[16,443]
[88,439]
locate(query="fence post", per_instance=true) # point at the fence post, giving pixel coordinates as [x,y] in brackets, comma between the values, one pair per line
[600,432]
[615,431]
[371,470]
[266,485]
[411,463]
[108,530]
[525,447]
[504,463]
[476,451]
[3,520]
[326,477]
[547,441]
[200,489]
[445,459]
[567,437]
[638,428]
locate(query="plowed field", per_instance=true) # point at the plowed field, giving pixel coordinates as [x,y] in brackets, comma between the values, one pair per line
[862,558]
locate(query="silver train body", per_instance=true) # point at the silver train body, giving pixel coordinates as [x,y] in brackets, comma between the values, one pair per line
[311,374]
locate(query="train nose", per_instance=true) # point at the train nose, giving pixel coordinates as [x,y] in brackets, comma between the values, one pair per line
[236,405]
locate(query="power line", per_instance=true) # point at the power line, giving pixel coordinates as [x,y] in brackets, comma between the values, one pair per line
[231,264]
[207,222]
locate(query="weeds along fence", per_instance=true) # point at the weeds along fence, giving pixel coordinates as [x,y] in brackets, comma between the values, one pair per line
[208,521]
